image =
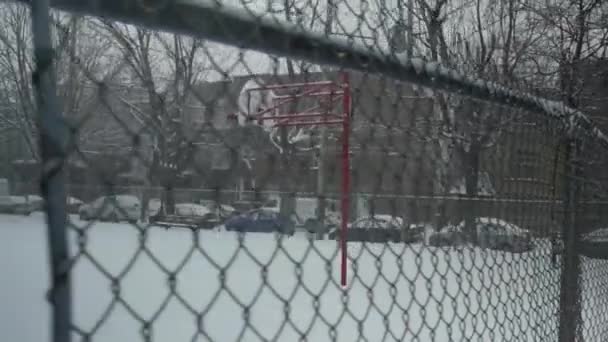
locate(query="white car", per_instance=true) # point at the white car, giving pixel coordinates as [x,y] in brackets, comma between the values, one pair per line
[223,211]
[191,209]
[112,208]
[190,215]
[597,235]
[35,201]
[181,209]
[378,221]
[491,233]
[23,204]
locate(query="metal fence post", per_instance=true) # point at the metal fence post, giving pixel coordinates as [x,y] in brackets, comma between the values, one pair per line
[569,310]
[54,135]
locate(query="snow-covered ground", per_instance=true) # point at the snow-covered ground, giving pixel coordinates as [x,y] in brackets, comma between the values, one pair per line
[395,291]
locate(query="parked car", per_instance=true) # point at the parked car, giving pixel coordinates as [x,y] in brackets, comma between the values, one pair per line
[22,204]
[596,235]
[5,198]
[448,236]
[223,211]
[492,233]
[15,205]
[245,206]
[306,211]
[207,221]
[73,204]
[153,206]
[418,232]
[260,220]
[191,209]
[331,222]
[6,204]
[189,215]
[18,204]
[35,202]
[379,228]
[591,244]
[112,208]
[27,204]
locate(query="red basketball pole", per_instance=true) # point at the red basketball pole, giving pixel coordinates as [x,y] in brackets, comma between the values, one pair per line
[345,176]
[313,117]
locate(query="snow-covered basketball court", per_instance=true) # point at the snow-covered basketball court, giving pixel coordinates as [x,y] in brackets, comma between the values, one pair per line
[289,287]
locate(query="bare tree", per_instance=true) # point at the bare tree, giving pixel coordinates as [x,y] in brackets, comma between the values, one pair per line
[489,41]
[167,91]
[17,104]
[75,57]
[575,33]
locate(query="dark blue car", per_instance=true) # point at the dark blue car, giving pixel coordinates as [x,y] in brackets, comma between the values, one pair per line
[261,221]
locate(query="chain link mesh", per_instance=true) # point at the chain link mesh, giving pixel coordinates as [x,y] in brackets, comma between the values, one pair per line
[208,183]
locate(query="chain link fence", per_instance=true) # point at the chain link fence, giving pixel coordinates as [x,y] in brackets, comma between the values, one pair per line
[289,171]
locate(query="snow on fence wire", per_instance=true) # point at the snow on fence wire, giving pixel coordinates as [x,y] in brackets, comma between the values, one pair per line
[239,171]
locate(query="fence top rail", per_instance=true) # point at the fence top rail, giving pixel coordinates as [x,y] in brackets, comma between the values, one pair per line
[219,22]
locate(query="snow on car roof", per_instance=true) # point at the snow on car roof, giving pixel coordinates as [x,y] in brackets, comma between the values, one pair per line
[196,208]
[509,227]
[384,217]
[73,200]
[597,235]
[126,198]
[227,207]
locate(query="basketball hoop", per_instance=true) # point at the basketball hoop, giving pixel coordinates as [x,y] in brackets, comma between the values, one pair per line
[298,107]
[301,108]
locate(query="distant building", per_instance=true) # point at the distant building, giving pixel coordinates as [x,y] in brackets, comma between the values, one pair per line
[594,102]
[594,97]
[386,151]
[394,145]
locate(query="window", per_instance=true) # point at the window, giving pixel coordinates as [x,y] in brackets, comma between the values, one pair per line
[361,224]
[99,202]
[221,158]
[382,224]
[266,215]
[332,206]
[254,215]
[492,229]
[314,165]
[527,161]
[181,211]
[272,203]
[210,216]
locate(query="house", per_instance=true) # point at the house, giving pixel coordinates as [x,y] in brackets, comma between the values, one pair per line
[389,153]
[395,153]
